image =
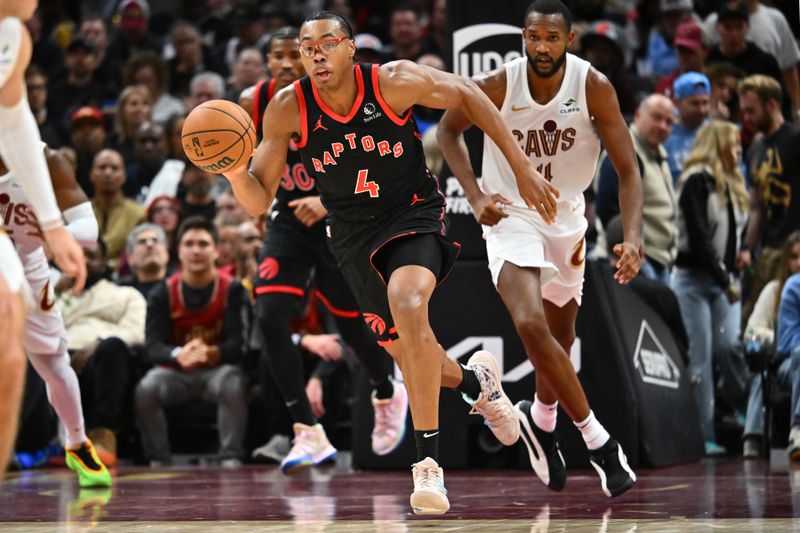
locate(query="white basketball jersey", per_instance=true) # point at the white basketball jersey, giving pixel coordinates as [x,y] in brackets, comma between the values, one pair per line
[17,217]
[558,136]
[10,41]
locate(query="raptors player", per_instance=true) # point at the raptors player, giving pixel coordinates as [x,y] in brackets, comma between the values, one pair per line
[44,338]
[18,134]
[294,249]
[559,109]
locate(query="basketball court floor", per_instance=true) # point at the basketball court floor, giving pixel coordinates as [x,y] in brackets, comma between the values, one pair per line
[719,494]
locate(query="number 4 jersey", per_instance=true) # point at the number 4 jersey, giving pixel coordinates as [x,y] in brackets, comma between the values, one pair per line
[368,163]
[559,136]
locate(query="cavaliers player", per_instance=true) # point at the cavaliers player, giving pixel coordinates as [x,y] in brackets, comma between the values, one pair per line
[18,134]
[386,225]
[559,109]
[295,246]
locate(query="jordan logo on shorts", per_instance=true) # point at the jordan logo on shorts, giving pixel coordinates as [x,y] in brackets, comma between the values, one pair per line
[268,268]
[376,323]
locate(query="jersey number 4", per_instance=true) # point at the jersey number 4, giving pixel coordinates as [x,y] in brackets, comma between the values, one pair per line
[362,185]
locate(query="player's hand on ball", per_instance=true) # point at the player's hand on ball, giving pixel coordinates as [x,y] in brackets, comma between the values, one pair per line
[630,259]
[68,255]
[489,209]
[308,210]
[538,194]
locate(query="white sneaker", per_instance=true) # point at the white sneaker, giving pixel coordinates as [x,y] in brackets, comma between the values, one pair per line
[276,449]
[390,420]
[311,447]
[429,496]
[794,444]
[493,404]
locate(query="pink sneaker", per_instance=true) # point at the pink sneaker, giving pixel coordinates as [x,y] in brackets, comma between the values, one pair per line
[390,420]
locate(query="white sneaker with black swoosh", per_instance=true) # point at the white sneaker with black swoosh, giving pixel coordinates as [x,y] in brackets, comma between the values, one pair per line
[543,452]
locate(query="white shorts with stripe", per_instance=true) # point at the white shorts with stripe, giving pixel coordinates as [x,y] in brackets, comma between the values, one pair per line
[523,239]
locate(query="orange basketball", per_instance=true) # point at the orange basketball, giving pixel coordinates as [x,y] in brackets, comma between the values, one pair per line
[218,136]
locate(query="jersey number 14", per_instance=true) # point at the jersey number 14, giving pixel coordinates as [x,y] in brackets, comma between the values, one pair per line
[362,185]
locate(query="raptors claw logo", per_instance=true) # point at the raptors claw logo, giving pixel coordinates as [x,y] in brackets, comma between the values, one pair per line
[375,322]
[268,268]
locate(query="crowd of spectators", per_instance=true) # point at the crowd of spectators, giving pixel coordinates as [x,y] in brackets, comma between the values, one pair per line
[111,83]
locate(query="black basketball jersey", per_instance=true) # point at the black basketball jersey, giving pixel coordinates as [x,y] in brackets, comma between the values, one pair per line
[296,182]
[368,163]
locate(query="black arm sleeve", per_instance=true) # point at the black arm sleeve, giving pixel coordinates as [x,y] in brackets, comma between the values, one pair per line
[234,326]
[158,327]
[694,205]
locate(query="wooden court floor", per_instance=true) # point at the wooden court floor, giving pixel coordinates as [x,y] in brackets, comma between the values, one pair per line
[712,495]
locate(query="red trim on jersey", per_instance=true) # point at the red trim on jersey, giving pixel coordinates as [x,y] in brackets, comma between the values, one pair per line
[257,103]
[386,109]
[285,289]
[384,344]
[301,101]
[336,311]
[356,105]
[384,243]
[271,88]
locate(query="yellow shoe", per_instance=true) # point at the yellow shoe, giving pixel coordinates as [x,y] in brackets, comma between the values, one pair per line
[83,460]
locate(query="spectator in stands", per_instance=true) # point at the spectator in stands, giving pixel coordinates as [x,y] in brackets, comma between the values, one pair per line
[230,208]
[661,56]
[134,108]
[191,58]
[651,127]
[732,26]
[405,34]
[148,69]
[230,246]
[174,127]
[248,70]
[691,96]
[195,335]
[774,163]
[151,174]
[723,101]
[789,348]
[368,48]
[36,86]
[102,324]
[46,54]
[196,196]
[691,51]
[770,31]
[248,31]
[133,37]
[93,27]
[88,136]
[761,328]
[713,212]
[438,38]
[252,241]
[603,44]
[204,87]
[148,258]
[116,215]
[165,212]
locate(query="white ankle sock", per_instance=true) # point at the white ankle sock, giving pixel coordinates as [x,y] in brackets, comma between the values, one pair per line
[544,415]
[593,432]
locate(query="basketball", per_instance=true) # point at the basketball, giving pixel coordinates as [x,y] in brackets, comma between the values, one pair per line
[218,136]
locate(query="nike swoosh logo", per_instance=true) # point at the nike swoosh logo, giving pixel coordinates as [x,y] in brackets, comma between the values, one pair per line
[429,435]
[289,404]
[47,303]
[515,108]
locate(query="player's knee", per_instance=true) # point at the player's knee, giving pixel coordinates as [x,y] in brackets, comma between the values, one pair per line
[532,330]
[407,301]
[146,391]
[232,388]
[565,340]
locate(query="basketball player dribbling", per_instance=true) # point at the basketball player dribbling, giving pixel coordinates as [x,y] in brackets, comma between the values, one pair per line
[294,248]
[559,109]
[18,137]
[386,226]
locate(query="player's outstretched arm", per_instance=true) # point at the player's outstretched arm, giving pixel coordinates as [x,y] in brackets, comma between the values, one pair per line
[72,201]
[404,84]
[488,209]
[613,132]
[255,187]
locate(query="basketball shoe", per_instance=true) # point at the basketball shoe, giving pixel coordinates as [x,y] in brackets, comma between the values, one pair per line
[429,496]
[611,464]
[310,447]
[83,460]
[390,420]
[493,404]
[543,451]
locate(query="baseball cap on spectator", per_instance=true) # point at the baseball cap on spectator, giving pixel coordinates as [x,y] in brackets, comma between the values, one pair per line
[87,113]
[689,35]
[690,84]
[367,41]
[731,10]
[675,5]
[607,31]
[134,15]
[81,42]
